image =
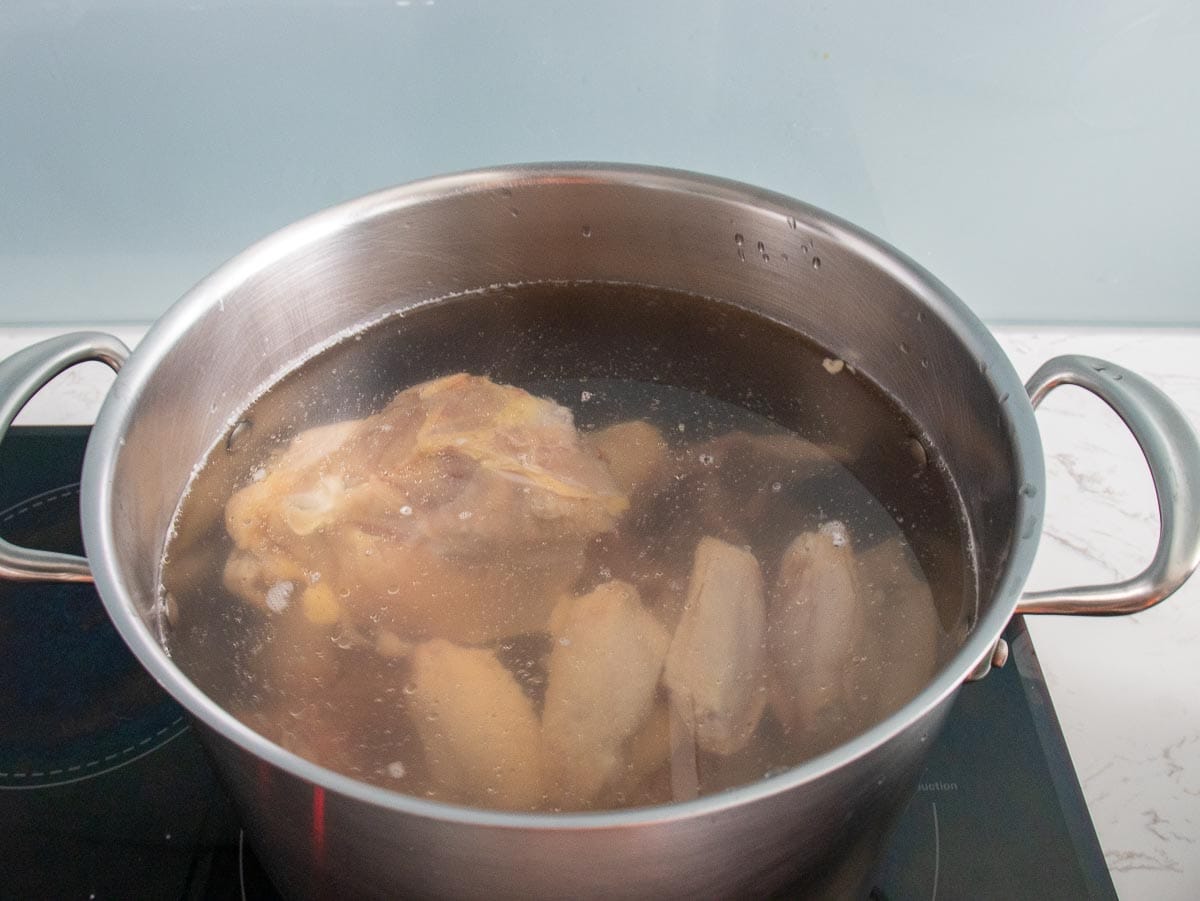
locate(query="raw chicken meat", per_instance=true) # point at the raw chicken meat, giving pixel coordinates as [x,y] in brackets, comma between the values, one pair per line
[636,453]
[854,636]
[461,510]
[818,627]
[479,730]
[715,667]
[725,488]
[904,643]
[739,497]
[602,676]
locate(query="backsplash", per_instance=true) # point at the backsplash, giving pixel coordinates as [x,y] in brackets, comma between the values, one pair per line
[1039,159]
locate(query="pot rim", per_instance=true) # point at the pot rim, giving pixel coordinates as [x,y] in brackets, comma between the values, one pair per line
[97,499]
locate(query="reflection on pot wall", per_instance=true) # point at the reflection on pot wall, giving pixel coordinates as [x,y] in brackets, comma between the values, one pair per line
[145,142]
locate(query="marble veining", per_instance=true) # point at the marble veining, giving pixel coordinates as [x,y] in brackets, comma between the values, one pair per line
[1126,689]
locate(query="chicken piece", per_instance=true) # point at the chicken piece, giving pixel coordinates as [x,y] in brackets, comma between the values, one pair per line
[600,685]
[783,454]
[716,665]
[478,729]
[635,452]
[725,487]
[761,486]
[461,510]
[903,654]
[818,630]
[525,440]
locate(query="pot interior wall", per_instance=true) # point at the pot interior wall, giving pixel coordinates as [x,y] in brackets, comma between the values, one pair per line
[269,308]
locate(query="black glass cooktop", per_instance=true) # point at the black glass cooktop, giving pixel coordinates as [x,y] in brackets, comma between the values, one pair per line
[105,792]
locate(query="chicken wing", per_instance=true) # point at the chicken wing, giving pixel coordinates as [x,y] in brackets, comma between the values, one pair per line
[603,672]
[904,653]
[818,631]
[478,729]
[715,667]
[635,452]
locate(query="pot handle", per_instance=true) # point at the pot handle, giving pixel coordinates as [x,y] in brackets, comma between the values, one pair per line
[1172,452]
[22,376]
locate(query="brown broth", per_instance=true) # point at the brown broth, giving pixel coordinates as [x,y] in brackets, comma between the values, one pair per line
[344,694]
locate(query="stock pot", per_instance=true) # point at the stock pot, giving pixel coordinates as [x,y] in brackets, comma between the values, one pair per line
[819,825]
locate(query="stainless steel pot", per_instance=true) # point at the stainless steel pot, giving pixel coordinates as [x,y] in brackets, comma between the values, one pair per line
[321,834]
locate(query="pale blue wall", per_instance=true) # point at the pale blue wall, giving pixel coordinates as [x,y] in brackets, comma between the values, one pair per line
[1040,157]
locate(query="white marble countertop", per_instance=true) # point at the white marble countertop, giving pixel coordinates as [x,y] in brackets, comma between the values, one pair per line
[1127,689]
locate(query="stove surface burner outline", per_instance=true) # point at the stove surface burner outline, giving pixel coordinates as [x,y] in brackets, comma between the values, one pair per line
[90,708]
[997,814]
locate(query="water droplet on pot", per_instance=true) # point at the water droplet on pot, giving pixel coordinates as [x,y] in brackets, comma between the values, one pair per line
[738,239]
[816,262]
[587,231]
[919,454]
